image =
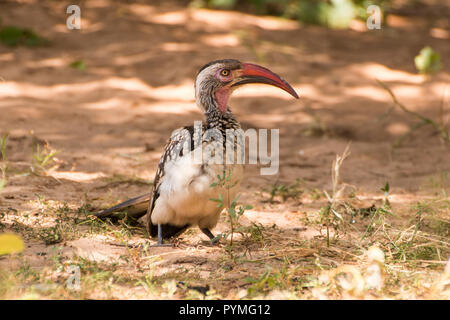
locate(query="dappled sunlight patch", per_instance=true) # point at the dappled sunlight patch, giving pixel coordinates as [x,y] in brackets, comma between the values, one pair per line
[98,4]
[170,18]
[274,118]
[218,40]
[441,89]
[10,89]
[173,108]
[227,20]
[76,176]
[143,11]
[183,92]
[111,103]
[408,91]
[400,198]
[306,90]
[377,71]
[18,89]
[371,92]
[129,84]
[281,219]
[439,33]
[6,56]
[405,85]
[50,62]
[178,47]
[358,26]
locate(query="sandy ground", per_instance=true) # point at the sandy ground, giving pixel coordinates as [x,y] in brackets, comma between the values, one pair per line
[109,122]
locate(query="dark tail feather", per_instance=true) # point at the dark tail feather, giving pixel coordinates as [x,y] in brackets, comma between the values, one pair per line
[136,207]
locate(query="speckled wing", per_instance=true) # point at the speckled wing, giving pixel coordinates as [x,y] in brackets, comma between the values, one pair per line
[181,141]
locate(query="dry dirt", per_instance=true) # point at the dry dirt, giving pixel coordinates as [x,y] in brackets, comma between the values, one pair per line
[110,121]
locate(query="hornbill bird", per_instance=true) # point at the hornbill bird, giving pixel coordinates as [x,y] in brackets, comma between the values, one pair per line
[183,187]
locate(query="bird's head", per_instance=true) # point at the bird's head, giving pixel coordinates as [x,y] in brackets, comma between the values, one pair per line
[216,81]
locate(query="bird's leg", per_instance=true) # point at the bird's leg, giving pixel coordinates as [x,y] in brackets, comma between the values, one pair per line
[213,239]
[160,239]
[159,234]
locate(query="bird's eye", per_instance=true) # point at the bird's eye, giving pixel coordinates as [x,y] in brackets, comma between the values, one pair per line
[225,72]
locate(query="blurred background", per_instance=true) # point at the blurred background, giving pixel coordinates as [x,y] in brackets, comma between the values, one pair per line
[110,93]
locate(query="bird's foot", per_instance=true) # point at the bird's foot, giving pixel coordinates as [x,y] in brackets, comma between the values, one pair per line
[214,239]
[161,245]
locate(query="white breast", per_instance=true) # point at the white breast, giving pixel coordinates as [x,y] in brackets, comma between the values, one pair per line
[186,192]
